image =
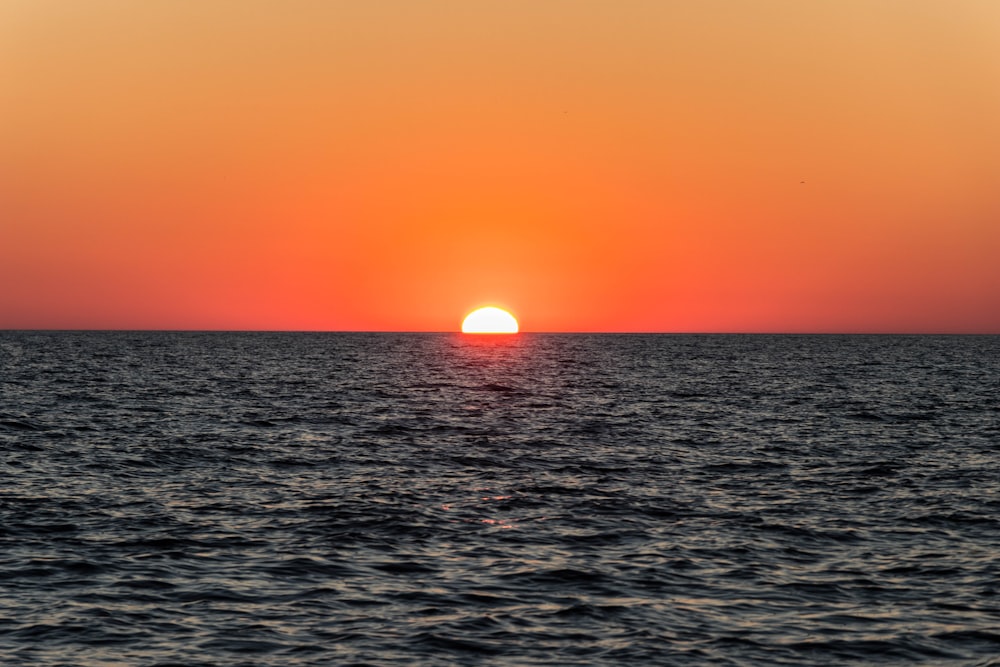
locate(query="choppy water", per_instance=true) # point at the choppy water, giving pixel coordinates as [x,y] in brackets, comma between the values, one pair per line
[434,499]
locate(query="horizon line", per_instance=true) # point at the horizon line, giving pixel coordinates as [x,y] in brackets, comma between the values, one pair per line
[456,331]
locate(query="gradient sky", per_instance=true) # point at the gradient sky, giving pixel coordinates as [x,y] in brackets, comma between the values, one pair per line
[626,165]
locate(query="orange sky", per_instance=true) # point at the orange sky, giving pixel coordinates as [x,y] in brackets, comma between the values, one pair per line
[631,165]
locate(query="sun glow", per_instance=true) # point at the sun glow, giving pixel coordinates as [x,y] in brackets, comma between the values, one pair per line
[489,320]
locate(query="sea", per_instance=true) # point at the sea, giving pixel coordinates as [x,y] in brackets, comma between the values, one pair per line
[222,499]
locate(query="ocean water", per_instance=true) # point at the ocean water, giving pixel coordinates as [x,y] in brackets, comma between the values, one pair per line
[436,499]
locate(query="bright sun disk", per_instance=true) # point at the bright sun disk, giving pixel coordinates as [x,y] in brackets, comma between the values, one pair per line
[489,320]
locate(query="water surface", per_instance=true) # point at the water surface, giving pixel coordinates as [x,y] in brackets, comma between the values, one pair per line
[438,499]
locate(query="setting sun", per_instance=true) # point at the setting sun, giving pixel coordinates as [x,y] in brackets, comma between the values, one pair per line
[489,320]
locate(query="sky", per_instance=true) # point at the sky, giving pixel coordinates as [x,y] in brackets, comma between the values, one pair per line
[612,165]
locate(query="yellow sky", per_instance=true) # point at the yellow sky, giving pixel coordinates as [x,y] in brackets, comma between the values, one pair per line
[711,165]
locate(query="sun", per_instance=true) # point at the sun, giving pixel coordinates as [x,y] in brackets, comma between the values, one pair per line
[489,320]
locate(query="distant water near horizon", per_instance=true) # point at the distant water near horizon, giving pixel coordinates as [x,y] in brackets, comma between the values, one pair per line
[293,499]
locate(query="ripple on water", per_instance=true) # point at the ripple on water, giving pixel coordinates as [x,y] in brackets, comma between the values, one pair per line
[312,499]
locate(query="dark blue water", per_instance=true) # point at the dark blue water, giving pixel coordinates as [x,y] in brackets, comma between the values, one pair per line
[434,499]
